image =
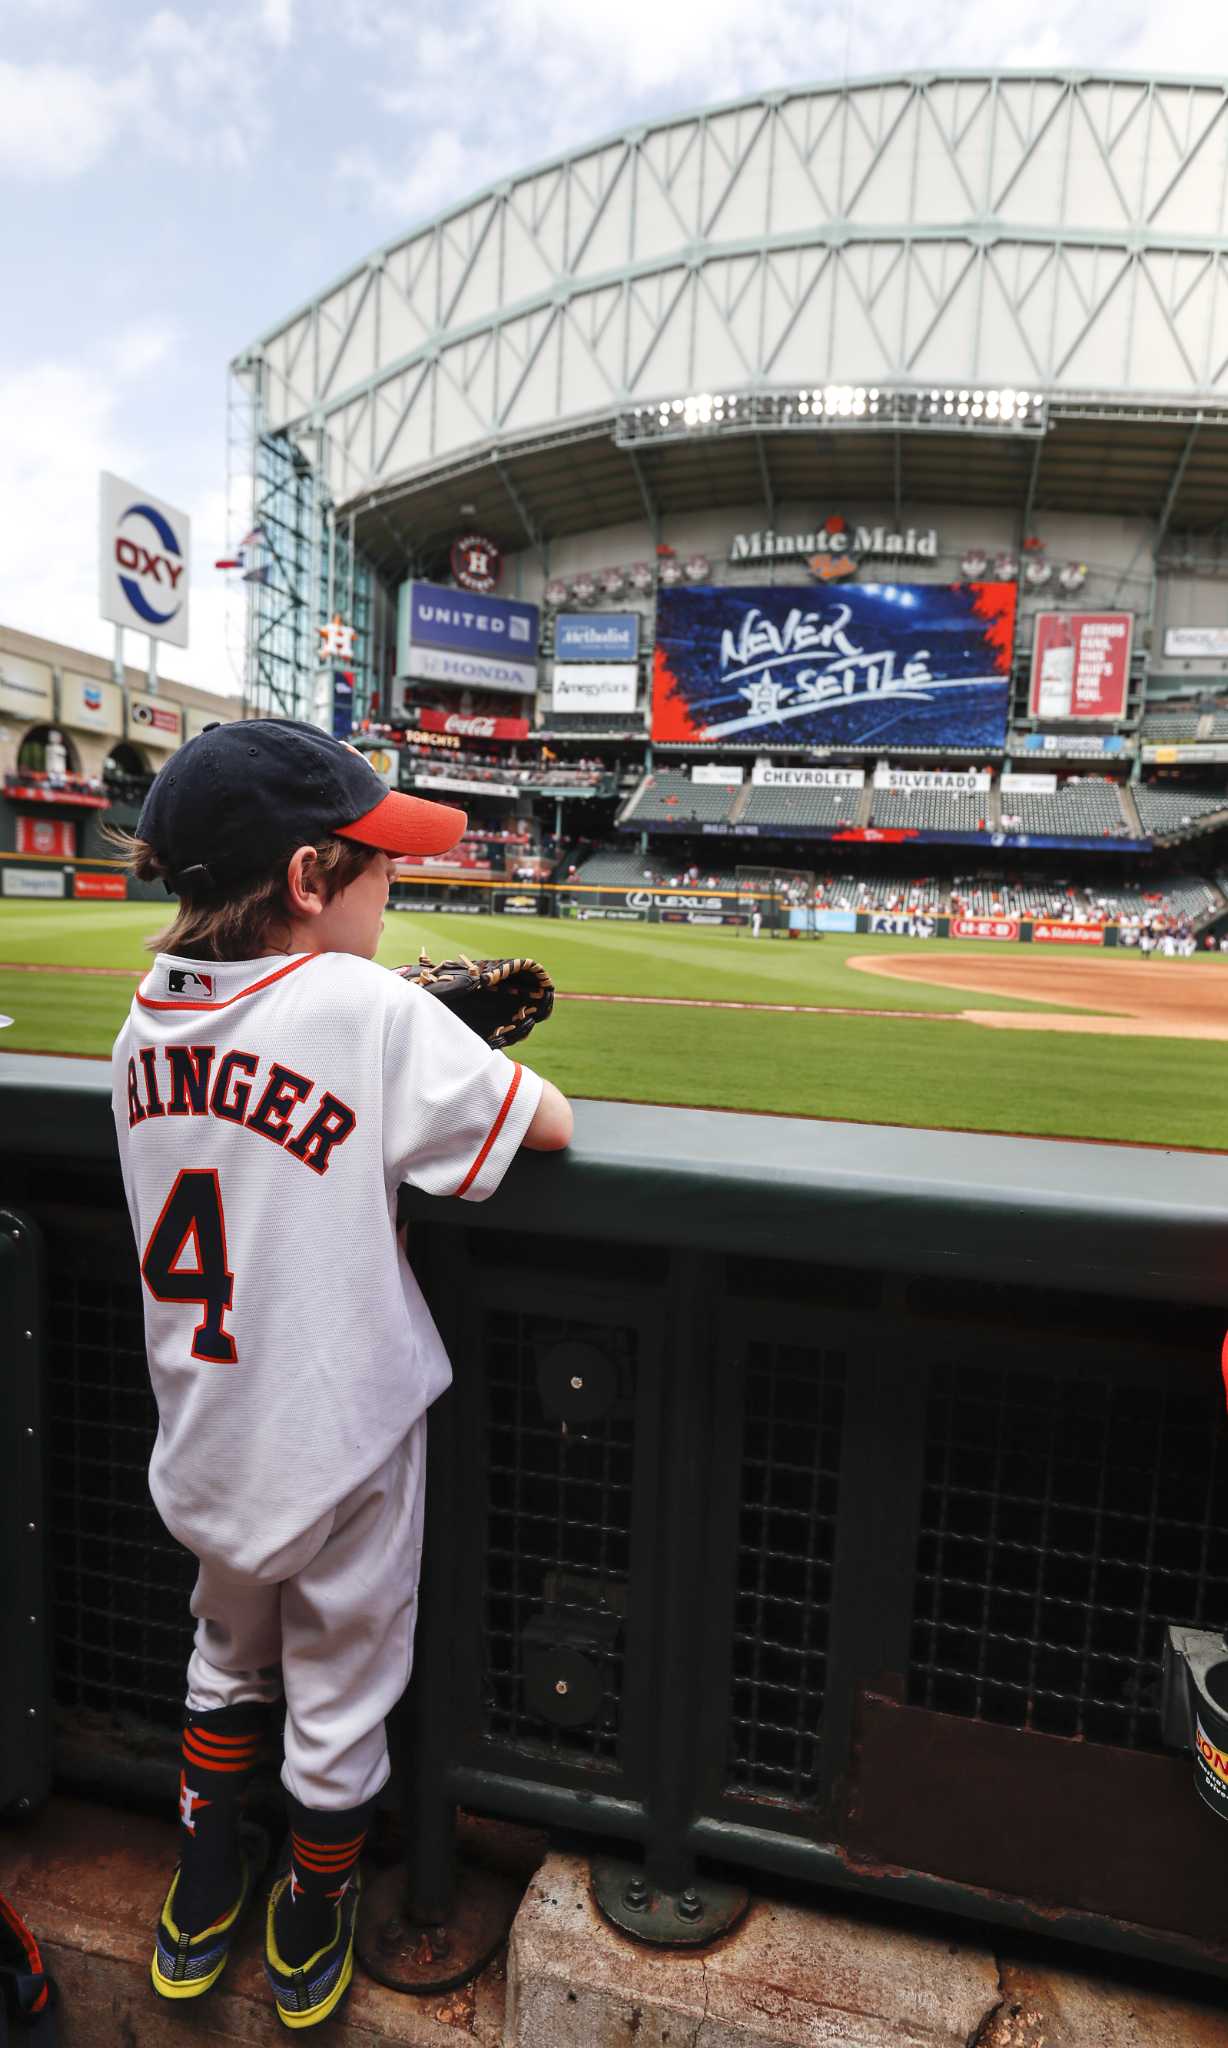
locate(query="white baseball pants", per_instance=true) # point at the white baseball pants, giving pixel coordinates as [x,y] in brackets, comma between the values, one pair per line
[336,1634]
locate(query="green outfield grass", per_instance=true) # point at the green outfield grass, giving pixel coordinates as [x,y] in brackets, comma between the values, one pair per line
[912,1070]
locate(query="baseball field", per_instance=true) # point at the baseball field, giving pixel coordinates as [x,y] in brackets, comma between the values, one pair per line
[950,1033]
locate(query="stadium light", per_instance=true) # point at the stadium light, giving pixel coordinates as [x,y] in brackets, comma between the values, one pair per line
[982,409]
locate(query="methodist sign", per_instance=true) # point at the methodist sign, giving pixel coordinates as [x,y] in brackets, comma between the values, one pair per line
[869,665]
[143,561]
[476,642]
[597,636]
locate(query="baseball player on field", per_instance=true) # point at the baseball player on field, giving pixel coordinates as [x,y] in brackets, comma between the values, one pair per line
[272,1088]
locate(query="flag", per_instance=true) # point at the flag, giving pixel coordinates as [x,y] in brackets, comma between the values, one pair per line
[264,574]
[240,556]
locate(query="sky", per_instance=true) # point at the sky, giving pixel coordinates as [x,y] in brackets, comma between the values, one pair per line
[174,180]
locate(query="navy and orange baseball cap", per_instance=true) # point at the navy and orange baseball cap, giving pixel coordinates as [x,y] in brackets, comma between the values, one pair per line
[238,798]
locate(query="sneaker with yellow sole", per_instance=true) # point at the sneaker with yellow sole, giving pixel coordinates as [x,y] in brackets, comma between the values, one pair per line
[312,1992]
[188,1965]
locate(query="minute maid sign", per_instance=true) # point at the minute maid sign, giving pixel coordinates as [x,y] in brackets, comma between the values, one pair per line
[836,539]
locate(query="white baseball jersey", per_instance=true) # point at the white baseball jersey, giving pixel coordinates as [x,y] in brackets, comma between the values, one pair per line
[267,1112]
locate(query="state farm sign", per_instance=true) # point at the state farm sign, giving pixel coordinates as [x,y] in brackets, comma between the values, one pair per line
[984,927]
[1045,933]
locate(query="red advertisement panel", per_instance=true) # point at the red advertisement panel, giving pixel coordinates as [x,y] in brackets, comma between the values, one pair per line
[1081,664]
[1045,933]
[47,835]
[474,728]
[984,927]
[91,886]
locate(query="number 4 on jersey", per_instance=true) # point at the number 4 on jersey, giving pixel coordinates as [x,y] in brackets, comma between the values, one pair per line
[193,1210]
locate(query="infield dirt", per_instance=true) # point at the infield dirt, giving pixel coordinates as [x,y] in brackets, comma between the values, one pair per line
[1154,998]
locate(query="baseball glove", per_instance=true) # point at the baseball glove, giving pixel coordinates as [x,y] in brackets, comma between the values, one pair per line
[499,999]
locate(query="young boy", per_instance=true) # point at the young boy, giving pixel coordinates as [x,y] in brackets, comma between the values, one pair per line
[272,1088]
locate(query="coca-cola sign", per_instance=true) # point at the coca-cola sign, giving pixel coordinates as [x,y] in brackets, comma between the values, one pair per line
[474,727]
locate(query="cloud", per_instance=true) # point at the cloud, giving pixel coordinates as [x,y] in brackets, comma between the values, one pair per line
[60,424]
[57,120]
[277,20]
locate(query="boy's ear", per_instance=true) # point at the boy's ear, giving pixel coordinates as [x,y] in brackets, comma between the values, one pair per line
[303,883]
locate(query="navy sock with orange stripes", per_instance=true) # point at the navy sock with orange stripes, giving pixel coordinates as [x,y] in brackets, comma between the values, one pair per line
[220,1751]
[324,1852]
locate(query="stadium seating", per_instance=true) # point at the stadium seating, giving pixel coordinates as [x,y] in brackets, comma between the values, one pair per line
[668,795]
[1165,811]
[786,808]
[1087,807]
[1171,725]
[929,810]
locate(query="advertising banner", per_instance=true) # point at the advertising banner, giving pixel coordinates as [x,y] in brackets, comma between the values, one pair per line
[384,762]
[722,775]
[25,688]
[1072,743]
[1196,643]
[597,636]
[143,553]
[766,776]
[89,888]
[595,685]
[31,882]
[91,705]
[460,783]
[984,927]
[47,836]
[473,671]
[833,920]
[1173,756]
[868,665]
[521,903]
[472,727]
[1055,933]
[454,636]
[1081,664]
[590,912]
[154,721]
[705,917]
[962,781]
[902,924]
[1029,785]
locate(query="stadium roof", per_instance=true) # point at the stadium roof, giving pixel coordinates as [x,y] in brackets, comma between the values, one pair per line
[789,298]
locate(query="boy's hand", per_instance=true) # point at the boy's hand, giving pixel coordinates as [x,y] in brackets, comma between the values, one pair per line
[501,1000]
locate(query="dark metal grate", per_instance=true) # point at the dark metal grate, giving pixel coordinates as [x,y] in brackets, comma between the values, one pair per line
[792,1418]
[1065,1523]
[120,1584]
[558,1532]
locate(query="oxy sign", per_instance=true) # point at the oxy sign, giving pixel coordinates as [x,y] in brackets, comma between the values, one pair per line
[143,561]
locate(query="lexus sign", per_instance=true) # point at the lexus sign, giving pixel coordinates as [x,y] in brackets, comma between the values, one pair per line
[143,562]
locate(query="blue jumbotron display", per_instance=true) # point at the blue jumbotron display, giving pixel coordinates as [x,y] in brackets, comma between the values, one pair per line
[867,665]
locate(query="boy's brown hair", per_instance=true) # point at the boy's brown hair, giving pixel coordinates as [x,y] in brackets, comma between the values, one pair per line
[253,917]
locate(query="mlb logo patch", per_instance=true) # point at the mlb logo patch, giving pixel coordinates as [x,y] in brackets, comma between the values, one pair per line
[183,981]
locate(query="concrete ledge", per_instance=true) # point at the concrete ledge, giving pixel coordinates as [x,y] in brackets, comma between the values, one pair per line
[91,1881]
[787,1975]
